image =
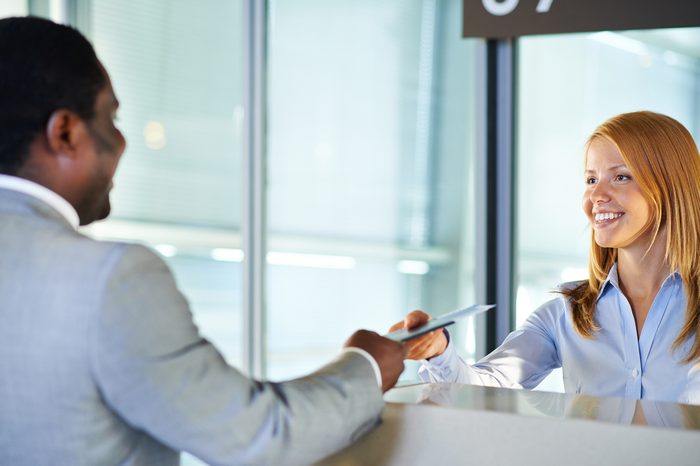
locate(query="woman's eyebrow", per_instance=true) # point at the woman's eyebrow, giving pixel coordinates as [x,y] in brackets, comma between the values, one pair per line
[614,167]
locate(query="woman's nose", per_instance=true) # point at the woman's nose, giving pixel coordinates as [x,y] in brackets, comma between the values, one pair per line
[599,193]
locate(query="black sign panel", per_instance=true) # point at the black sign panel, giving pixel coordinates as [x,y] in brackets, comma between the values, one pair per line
[511,18]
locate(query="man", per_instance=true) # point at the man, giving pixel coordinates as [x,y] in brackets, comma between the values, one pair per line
[100,362]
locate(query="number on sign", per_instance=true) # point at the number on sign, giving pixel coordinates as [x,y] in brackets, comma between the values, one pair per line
[497,8]
[504,7]
[543,6]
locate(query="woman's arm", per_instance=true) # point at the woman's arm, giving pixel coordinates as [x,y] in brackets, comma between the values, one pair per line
[526,356]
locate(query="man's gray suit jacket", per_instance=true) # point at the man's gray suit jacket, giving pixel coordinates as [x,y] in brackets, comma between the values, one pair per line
[100,363]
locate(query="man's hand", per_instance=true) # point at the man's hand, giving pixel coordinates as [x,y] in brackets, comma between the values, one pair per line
[426,346]
[388,354]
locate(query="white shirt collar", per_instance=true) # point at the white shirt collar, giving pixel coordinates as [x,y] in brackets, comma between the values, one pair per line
[38,191]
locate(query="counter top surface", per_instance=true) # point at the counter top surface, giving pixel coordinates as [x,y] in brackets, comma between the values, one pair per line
[550,405]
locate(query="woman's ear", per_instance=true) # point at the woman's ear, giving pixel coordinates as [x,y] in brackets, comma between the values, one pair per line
[63,132]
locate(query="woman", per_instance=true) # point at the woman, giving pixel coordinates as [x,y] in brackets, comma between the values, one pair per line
[631,329]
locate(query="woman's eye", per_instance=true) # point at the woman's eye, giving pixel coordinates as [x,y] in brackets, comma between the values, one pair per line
[622,178]
[590,180]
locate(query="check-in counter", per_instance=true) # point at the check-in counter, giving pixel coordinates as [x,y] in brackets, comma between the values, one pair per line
[438,424]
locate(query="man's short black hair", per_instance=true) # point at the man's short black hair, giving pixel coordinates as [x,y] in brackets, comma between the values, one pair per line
[44,67]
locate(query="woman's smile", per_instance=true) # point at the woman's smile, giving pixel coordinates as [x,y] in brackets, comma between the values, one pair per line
[605,219]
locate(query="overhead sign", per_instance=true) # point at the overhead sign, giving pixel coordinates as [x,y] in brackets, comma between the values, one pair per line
[512,18]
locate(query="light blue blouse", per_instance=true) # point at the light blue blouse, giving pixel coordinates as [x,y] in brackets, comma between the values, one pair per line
[614,363]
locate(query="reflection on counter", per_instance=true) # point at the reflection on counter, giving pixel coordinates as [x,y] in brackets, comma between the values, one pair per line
[553,405]
[485,426]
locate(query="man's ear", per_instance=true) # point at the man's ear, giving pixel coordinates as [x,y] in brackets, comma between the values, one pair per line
[64,131]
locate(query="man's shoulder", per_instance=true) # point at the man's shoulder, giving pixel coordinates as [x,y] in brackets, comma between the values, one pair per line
[84,240]
[121,252]
[87,251]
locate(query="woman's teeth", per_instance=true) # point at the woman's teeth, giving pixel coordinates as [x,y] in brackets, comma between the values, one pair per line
[607,216]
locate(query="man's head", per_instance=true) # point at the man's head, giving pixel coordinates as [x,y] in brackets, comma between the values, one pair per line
[56,114]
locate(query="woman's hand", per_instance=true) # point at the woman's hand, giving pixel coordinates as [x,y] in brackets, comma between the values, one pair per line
[426,346]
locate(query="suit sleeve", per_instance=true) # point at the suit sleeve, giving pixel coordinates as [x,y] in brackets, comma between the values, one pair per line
[157,373]
[523,360]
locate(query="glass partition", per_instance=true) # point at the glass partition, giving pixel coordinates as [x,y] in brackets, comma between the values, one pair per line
[370,146]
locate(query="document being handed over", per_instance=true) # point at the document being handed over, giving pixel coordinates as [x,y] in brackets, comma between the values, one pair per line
[438,322]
